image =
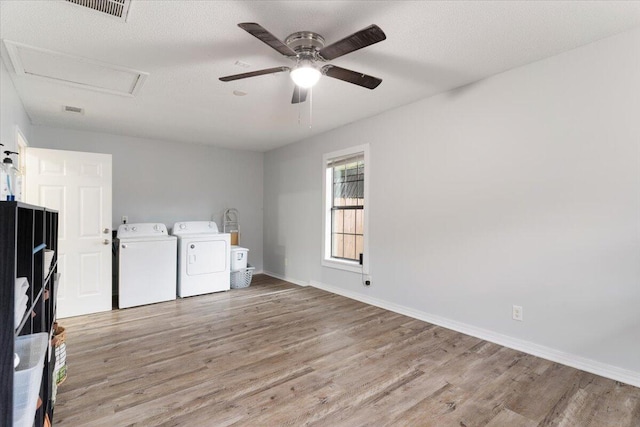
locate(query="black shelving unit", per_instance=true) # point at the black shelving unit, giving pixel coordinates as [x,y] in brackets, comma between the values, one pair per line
[25,231]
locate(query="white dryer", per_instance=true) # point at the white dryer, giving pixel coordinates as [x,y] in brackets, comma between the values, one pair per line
[203,258]
[146,264]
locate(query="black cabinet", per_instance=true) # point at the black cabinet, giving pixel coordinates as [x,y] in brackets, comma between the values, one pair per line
[26,231]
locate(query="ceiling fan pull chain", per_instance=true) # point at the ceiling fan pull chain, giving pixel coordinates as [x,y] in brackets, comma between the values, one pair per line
[310,107]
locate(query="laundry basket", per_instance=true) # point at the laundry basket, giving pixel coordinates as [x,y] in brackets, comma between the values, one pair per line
[60,346]
[242,278]
[27,377]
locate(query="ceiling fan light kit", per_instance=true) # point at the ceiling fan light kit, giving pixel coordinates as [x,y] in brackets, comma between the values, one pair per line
[308,50]
[305,74]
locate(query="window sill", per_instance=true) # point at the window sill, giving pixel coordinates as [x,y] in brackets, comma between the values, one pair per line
[352,266]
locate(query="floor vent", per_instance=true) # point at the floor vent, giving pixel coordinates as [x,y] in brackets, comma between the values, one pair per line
[116,8]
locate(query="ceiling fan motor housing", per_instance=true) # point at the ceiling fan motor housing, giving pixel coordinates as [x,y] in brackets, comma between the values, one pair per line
[306,44]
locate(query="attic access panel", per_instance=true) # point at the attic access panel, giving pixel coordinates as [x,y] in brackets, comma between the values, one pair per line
[73,70]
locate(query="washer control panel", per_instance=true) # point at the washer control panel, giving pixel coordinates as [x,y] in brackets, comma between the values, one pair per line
[141,230]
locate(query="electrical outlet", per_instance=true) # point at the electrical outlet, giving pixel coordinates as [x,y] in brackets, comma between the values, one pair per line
[125,219]
[517,313]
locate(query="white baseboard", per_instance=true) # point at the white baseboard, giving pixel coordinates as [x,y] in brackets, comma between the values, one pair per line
[575,361]
[287,279]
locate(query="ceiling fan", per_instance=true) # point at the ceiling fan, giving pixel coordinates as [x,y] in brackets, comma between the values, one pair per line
[307,49]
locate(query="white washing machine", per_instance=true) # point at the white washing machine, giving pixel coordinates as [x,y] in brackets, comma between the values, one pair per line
[203,258]
[146,264]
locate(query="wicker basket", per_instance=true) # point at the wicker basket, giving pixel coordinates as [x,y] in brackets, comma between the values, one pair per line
[242,278]
[60,369]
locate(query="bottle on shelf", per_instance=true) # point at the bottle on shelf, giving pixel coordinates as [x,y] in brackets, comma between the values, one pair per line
[9,177]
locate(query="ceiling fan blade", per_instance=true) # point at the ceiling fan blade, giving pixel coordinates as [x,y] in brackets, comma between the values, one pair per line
[299,95]
[354,77]
[363,38]
[254,74]
[259,32]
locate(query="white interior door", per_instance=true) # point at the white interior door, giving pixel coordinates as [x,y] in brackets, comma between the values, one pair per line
[78,186]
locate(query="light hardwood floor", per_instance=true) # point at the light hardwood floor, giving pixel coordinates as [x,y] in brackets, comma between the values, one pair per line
[278,354]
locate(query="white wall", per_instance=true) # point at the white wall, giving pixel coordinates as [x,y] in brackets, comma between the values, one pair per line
[12,112]
[520,189]
[167,182]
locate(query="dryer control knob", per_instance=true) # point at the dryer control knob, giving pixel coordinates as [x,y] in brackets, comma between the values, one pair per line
[134,228]
[182,226]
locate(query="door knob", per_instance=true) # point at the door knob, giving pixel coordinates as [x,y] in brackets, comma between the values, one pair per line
[105,231]
[106,242]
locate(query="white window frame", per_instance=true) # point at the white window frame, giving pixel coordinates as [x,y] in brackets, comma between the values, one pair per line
[327,260]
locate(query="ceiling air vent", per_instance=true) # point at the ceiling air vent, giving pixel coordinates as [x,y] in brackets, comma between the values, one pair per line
[70,109]
[115,8]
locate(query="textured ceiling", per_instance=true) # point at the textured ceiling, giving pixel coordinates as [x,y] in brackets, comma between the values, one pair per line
[185,46]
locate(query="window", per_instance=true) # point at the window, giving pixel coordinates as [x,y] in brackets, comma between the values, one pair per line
[345,213]
[347,207]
